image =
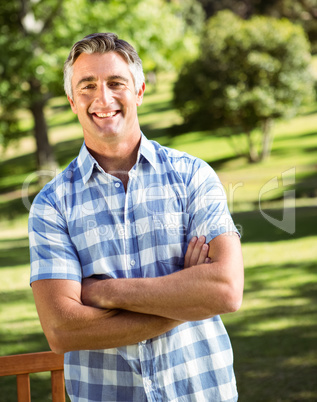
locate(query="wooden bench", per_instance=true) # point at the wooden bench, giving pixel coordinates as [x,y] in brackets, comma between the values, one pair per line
[22,365]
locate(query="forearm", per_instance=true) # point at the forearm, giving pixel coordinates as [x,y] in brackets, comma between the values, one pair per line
[95,329]
[70,325]
[195,293]
[189,295]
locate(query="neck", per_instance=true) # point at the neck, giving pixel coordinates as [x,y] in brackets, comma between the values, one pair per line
[116,159]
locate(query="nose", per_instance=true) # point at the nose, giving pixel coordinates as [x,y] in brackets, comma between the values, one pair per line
[104,95]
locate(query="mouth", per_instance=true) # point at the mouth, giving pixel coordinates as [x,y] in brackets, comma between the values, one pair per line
[107,115]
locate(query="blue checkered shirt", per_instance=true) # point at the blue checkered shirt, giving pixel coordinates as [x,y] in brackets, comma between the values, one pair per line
[83,223]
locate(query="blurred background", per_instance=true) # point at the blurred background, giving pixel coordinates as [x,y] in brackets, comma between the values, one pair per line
[232,82]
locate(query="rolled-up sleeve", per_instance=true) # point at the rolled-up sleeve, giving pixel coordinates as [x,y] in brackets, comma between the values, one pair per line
[52,253]
[207,204]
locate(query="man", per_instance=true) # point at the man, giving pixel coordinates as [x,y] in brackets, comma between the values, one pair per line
[133,251]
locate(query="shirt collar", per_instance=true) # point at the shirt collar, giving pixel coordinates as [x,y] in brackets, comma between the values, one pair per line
[147,150]
[87,163]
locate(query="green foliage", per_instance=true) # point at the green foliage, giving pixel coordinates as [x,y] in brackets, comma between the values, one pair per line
[248,72]
[302,12]
[36,36]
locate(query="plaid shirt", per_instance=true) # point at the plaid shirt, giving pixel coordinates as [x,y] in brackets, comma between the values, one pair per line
[83,223]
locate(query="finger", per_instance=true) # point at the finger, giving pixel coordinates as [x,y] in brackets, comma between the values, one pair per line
[203,254]
[197,250]
[189,252]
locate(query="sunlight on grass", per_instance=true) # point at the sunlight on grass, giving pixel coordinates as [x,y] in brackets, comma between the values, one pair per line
[14,228]
[15,279]
[276,253]
[207,148]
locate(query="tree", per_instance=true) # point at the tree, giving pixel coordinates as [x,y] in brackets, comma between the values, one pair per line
[303,12]
[35,38]
[24,79]
[248,74]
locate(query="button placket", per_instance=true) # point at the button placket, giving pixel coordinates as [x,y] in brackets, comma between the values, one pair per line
[147,369]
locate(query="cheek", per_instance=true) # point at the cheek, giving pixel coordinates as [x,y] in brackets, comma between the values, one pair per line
[130,101]
[83,101]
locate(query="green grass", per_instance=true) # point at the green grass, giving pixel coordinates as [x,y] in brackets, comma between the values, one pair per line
[274,333]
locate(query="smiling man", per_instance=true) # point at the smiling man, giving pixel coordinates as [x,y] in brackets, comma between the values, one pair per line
[105,100]
[133,250]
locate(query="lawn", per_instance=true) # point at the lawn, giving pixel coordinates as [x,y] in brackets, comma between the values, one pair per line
[274,333]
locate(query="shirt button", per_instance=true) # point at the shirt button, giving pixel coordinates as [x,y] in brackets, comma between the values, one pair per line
[144,342]
[149,383]
[117,184]
[132,262]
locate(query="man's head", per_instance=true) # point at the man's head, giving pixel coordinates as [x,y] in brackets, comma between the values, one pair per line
[103,43]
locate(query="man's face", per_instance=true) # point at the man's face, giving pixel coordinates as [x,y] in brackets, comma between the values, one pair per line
[104,99]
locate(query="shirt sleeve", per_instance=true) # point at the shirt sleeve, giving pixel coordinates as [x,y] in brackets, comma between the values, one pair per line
[207,205]
[52,253]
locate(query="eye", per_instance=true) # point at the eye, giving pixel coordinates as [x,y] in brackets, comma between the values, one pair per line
[116,84]
[90,86]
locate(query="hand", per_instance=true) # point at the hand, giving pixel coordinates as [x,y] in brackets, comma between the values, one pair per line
[197,252]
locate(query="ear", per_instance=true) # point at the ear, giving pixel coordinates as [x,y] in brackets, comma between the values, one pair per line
[139,97]
[72,104]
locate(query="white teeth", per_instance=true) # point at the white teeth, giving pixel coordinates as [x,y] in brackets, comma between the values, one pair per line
[110,114]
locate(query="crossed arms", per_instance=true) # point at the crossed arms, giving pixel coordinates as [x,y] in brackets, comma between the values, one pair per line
[101,314]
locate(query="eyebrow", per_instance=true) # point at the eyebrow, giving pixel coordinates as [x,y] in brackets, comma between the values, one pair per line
[118,77]
[86,79]
[91,78]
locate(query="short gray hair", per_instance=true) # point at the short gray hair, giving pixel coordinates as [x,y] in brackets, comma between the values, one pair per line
[103,43]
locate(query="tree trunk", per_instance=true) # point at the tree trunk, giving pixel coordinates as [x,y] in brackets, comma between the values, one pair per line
[253,153]
[267,139]
[44,152]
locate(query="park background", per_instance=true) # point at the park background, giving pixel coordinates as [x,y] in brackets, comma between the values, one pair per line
[273,201]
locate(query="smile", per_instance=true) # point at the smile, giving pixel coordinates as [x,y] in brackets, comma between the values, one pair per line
[105,115]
